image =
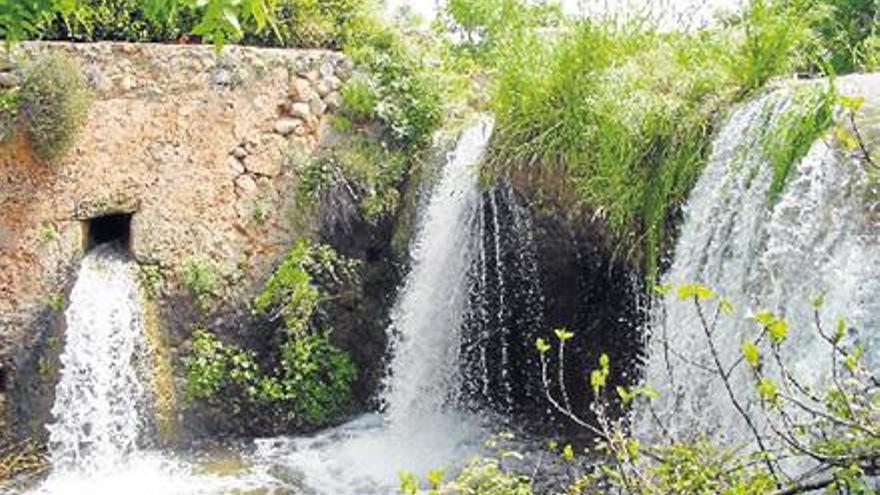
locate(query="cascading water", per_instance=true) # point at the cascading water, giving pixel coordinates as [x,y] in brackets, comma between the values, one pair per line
[506,306]
[100,399]
[818,238]
[423,426]
[99,441]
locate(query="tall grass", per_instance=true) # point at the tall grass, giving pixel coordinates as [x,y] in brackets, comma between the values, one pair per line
[627,110]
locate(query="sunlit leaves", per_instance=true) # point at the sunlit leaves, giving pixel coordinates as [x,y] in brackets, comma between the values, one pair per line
[567,454]
[599,376]
[751,353]
[776,327]
[695,291]
[542,345]
[563,334]
[768,391]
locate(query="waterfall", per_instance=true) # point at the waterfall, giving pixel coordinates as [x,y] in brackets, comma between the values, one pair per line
[506,307]
[817,238]
[426,320]
[423,425]
[100,399]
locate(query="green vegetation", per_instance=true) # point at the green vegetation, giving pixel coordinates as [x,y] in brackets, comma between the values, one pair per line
[150,278]
[808,116]
[305,380]
[54,99]
[202,279]
[9,103]
[626,110]
[390,110]
[834,428]
[371,172]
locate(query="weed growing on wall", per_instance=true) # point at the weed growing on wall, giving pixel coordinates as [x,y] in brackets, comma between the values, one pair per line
[202,279]
[54,99]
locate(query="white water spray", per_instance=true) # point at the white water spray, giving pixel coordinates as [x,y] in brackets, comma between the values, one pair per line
[421,428]
[100,399]
[817,239]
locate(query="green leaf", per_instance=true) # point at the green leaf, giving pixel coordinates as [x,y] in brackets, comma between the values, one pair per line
[435,477]
[604,361]
[597,380]
[840,331]
[767,390]
[562,334]
[567,453]
[542,345]
[662,289]
[751,353]
[725,306]
[695,291]
[764,317]
[778,330]
[853,103]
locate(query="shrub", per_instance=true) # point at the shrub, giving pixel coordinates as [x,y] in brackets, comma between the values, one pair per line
[315,380]
[624,112]
[309,23]
[9,106]
[215,367]
[406,97]
[54,100]
[304,380]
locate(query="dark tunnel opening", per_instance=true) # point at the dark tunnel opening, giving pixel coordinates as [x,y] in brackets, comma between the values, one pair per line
[109,228]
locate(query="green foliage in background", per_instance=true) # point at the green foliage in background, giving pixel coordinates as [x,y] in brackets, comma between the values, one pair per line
[54,99]
[397,86]
[301,23]
[626,110]
[310,23]
[306,381]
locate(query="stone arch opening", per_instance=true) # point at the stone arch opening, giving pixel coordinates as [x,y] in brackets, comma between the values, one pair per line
[109,228]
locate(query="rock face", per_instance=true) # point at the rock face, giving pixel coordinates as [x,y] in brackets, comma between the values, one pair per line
[194,148]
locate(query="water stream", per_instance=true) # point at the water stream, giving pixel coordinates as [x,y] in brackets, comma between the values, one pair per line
[818,238]
[99,440]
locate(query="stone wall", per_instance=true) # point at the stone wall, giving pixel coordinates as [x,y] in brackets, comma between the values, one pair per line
[199,147]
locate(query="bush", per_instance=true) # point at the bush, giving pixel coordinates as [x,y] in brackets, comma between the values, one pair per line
[371,171]
[309,23]
[54,100]
[304,380]
[400,84]
[625,113]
